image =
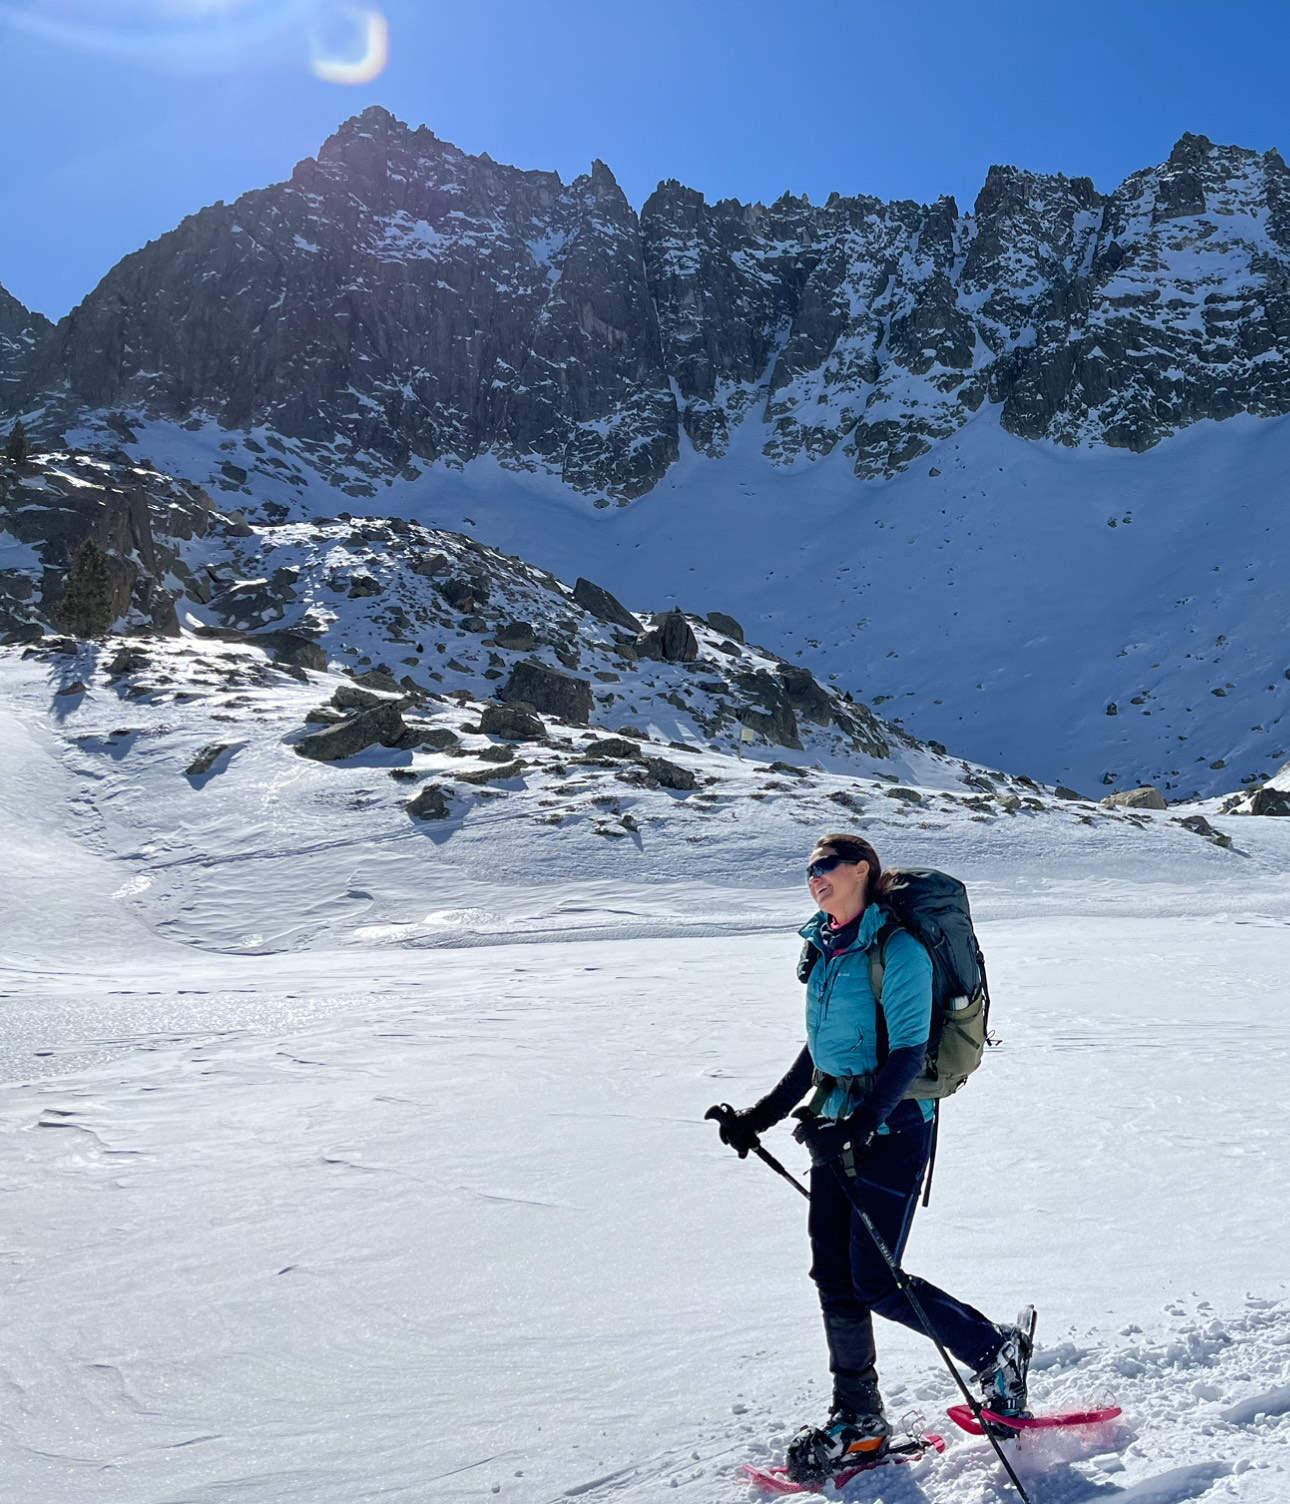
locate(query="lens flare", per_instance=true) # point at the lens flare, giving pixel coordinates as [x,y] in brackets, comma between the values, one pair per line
[342,43]
[360,63]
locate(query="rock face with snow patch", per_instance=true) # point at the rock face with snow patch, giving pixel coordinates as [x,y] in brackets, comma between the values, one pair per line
[399,301]
[20,332]
[140,519]
[1176,305]
[400,298]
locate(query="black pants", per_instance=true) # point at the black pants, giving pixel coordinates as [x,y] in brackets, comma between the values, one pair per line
[852,1277]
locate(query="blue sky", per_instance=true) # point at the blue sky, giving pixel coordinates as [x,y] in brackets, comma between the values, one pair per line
[121,116]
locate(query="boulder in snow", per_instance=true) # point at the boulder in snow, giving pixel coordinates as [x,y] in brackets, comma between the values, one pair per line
[516,637]
[293,648]
[379,678]
[382,723]
[1200,826]
[720,622]
[779,727]
[352,697]
[611,746]
[206,759]
[603,606]
[428,804]
[671,640]
[805,696]
[1266,801]
[670,775]
[1146,797]
[513,723]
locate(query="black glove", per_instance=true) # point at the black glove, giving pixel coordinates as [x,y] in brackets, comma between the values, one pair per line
[827,1139]
[738,1127]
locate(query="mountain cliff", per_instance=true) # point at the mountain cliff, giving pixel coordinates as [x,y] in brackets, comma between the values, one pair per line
[20,332]
[397,300]
[400,302]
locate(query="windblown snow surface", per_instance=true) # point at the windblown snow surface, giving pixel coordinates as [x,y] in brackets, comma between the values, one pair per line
[350,1159]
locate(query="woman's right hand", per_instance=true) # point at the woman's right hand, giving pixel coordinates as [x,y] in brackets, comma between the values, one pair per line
[737,1127]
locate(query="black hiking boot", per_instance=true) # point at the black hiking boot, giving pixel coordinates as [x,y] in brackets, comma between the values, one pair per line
[816,1453]
[1004,1388]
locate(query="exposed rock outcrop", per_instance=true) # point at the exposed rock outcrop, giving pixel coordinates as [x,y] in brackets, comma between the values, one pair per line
[138,518]
[672,640]
[20,332]
[549,691]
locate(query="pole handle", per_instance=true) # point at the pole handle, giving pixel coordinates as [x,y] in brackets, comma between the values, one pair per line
[722,1113]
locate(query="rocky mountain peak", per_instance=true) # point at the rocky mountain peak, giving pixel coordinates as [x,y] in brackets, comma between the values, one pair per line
[1187,267]
[400,302]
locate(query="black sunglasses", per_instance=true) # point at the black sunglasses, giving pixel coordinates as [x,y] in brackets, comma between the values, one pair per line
[827,864]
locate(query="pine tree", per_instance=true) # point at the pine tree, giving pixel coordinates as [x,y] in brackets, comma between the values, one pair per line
[17,450]
[86,607]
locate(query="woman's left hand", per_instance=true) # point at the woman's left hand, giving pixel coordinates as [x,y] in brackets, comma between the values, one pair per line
[827,1139]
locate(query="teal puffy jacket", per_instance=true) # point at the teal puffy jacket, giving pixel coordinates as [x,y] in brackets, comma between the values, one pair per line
[842,1012]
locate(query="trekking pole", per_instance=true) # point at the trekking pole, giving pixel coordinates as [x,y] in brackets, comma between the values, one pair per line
[897,1273]
[903,1285]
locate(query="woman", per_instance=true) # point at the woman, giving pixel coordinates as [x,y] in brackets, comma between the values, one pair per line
[874,1149]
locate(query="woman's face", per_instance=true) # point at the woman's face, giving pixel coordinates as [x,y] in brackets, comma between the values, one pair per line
[839,892]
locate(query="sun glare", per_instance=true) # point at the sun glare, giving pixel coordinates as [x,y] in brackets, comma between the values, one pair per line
[368,58]
[343,44]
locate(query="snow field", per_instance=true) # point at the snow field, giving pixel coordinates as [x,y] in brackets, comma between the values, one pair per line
[273,852]
[373,1206]
[479,1236]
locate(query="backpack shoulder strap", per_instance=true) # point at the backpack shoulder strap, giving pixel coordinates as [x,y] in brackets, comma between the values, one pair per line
[877,970]
[878,956]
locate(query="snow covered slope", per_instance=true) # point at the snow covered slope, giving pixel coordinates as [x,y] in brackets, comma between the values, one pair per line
[189,779]
[999,599]
[469,1238]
